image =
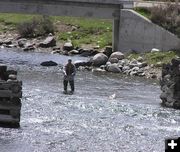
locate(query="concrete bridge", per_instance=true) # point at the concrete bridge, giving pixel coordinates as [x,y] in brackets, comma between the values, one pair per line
[105,9]
[131,31]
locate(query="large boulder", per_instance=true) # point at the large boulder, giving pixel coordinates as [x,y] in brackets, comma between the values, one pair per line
[49,63]
[118,55]
[114,68]
[99,59]
[48,42]
[79,63]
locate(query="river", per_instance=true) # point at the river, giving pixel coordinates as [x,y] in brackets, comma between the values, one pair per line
[89,120]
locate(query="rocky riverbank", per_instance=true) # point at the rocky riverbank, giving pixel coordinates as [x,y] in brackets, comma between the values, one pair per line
[102,60]
[117,62]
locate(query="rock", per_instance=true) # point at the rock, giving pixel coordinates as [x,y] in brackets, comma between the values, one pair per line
[96,47]
[22,42]
[117,55]
[7,41]
[99,59]
[28,49]
[87,52]
[28,46]
[56,52]
[65,53]
[134,61]
[108,63]
[113,60]
[56,48]
[113,68]
[144,64]
[49,63]
[98,70]
[155,50]
[132,65]
[176,105]
[74,28]
[48,42]
[102,67]
[79,63]
[125,68]
[135,69]
[74,52]
[141,74]
[153,76]
[140,59]
[12,77]
[133,73]
[124,62]
[108,51]
[68,46]
[159,64]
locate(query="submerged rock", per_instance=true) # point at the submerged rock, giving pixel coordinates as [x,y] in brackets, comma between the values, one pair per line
[49,63]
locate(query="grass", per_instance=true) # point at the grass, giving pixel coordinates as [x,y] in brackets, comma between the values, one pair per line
[155,57]
[89,31]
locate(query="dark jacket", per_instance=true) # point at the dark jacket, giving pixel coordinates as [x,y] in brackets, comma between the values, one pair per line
[69,72]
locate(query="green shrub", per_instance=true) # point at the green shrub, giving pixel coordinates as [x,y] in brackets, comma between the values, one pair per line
[38,26]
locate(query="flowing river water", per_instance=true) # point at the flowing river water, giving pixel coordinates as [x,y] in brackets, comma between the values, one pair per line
[89,120]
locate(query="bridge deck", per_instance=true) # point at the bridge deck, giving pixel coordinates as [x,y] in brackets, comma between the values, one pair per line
[124,3]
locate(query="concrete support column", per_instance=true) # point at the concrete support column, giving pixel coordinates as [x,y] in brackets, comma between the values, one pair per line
[116,30]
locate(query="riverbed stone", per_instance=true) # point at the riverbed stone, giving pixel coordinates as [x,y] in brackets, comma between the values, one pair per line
[48,42]
[88,52]
[74,52]
[98,70]
[99,59]
[125,68]
[113,68]
[68,46]
[21,42]
[79,63]
[49,63]
[140,59]
[113,60]
[118,55]
[124,62]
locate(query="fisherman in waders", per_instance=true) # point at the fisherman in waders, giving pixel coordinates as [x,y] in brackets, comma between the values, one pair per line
[69,73]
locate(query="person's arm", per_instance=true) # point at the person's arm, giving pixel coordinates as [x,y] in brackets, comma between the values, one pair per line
[64,71]
[74,70]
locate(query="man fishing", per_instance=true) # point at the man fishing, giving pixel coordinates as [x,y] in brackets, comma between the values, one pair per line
[69,73]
